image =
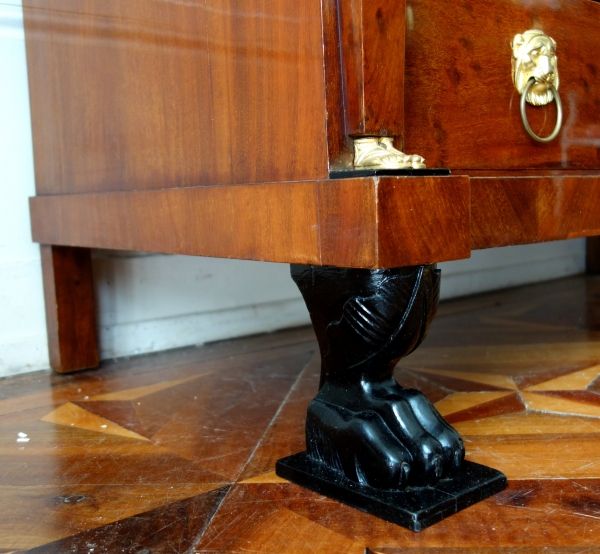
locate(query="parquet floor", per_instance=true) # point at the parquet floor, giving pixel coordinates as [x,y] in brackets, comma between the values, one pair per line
[175,452]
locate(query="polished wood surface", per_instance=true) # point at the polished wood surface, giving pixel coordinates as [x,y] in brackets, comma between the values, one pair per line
[386,222]
[506,211]
[461,107]
[156,100]
[392,222]
[144,95]
[70,308]
[339,145]
[175,452]
[372,45]
[140,94]
[368,222]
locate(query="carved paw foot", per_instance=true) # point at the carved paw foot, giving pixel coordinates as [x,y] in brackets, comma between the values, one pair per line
[362,425]
[382,435]
[379,153]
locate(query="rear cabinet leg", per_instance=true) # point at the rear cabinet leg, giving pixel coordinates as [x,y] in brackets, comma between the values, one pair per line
[592,260]
[70,308]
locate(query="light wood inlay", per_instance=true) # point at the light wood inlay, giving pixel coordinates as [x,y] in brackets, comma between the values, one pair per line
[579,380]
[552,404]
[462,401]
[133,394]
[74,416]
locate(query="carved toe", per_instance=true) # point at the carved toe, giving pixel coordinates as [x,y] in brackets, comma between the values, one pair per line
[359,444]
[436,425]
[426,451]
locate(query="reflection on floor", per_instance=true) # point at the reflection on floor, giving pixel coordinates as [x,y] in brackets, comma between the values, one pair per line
[175,452]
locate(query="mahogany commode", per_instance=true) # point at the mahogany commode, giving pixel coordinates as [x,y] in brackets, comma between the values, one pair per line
[227,129]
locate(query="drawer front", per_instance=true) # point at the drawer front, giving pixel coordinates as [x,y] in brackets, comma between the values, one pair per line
[461,107]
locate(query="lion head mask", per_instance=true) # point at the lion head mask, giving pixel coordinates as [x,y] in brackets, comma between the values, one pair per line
[534,55]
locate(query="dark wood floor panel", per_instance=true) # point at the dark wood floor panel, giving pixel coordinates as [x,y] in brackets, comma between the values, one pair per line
[284,518]
[509,404]
[175,452]
[43,381]
[286,432]
[173,528]
[233,416]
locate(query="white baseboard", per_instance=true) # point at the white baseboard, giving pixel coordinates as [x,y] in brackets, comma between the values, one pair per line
[162,334]
[499,268]
[150,303]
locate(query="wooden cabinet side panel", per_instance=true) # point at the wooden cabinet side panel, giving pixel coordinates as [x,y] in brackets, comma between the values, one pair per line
[268,222]
[363,222]
[140,94]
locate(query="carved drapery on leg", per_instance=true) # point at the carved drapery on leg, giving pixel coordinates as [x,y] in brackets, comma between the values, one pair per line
[366,435]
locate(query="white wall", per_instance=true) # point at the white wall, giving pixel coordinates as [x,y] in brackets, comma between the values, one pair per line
[153,302]
[500,268]
[22,325]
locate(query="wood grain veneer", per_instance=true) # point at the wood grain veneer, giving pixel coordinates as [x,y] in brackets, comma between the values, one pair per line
[386,222]
[461,107]
[522,210]
[140,94]
[372,45]
[70,308]
[259,222]
[391,222]
[339,145]
[370,222]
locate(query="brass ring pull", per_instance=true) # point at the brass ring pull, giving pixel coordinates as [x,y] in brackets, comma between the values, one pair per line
[559,115]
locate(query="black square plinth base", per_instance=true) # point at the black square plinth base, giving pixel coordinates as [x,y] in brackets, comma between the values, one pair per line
[353,173]
[413,508]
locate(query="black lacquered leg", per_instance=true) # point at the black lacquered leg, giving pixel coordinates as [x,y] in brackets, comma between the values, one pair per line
[371,443]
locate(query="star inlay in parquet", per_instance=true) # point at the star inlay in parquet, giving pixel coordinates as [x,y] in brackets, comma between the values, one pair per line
[138,457]
[176,453]
[473,396]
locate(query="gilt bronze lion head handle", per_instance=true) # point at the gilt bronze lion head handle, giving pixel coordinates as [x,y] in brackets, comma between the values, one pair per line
[535,75]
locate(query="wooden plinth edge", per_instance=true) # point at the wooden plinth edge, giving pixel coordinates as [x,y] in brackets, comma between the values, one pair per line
[364,222]
[524,210]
